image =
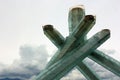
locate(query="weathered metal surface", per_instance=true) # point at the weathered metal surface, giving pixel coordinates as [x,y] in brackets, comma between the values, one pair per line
[84,27]
[70,61]
[76,15]
[51,36]
[56,38]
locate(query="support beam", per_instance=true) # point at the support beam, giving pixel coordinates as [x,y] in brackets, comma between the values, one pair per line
[87,71]
[80,53]
[84,69]
[106,61]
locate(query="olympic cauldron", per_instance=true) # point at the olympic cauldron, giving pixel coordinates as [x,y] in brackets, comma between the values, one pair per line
[73,49]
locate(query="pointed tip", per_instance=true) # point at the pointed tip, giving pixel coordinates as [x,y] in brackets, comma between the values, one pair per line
[106,30]
[94,16]
[47,27]
[90,17]
[77,7]
[80,6]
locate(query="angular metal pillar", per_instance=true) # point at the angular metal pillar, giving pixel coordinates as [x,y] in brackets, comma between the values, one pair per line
[80,53]
[73,49]
[106,61]
[87,72]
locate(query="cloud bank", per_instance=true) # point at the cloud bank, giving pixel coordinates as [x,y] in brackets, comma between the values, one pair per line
[33,60]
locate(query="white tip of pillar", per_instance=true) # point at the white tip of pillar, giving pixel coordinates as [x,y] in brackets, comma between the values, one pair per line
[77,7]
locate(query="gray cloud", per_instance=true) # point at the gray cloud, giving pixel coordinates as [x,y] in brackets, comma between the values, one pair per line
[33,60]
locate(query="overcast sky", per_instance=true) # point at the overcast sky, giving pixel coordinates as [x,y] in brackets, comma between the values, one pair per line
[21,23]
[24,47]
